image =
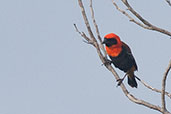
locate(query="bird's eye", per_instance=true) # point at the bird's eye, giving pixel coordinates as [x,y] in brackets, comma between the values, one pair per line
[113,41]
[110,42]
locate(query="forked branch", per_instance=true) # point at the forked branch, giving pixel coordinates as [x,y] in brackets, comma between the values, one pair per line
[145,24]
[153,89]
[94,41]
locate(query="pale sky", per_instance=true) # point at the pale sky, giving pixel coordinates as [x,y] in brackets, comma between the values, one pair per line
[46,68]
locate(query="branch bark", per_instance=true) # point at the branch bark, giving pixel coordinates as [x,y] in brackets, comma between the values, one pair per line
[97,29]
[146,24]
[163,88]
[153,89]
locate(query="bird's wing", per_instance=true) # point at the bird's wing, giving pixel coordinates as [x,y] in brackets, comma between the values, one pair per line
[130,53]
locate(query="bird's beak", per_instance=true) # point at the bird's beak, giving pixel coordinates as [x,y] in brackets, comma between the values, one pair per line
[104,41]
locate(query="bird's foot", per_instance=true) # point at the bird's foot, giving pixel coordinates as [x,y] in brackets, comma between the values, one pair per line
[119,81]
[107,62]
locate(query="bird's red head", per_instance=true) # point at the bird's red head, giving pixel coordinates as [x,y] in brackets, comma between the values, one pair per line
[113,44]
[111,35]
[112,40]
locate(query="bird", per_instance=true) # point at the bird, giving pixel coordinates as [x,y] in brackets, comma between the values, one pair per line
[122,57]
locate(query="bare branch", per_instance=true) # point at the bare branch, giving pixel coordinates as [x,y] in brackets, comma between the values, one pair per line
[145,21]
[94,22]
[145,24]
[168,1]
[109,67]
[86,21]
[97,29]
[84,36]
[90,31]
[130,18]
[136,14]
[130,96]
[163,88]
[153,89]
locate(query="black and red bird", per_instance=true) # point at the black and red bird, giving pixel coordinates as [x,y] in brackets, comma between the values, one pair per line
[121,56]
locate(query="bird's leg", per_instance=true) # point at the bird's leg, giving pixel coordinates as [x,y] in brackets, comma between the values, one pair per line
[121,80]
[137,78]
[107,62]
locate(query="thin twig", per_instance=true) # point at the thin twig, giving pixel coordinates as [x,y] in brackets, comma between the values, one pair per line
[87,39]
[144,20]
[97,29]
[86,21]
[90,32]
[153,89]
[163,88]
[136,14]
[95,43]
[130,18]
[146,24]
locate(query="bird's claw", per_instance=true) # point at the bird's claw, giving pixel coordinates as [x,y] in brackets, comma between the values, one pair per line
[107,62]
[119,81]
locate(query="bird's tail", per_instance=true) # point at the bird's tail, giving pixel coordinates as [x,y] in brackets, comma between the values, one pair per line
[131,80]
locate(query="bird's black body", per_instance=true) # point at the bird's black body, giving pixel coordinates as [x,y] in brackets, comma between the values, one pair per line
[124,61]
[121,56]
